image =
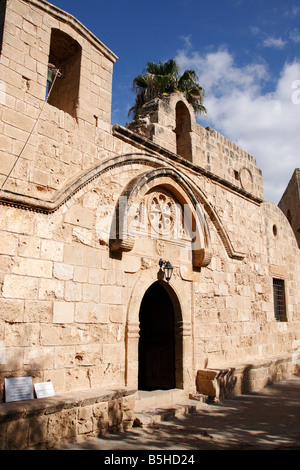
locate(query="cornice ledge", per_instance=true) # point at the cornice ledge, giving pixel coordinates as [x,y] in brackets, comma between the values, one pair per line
[142,142]
[32,203]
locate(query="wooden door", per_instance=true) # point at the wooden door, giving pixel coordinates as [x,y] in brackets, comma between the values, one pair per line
[156,344]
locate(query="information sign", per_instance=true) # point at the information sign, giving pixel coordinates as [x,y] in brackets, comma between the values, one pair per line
[44,389]
[18,388]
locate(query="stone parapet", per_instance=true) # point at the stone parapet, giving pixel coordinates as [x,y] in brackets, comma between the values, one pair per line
[50,422]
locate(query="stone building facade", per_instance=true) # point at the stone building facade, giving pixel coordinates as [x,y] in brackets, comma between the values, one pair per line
[88,210]
[290,203]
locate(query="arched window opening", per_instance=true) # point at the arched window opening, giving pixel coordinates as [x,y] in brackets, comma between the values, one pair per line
[183,131]
[64,68]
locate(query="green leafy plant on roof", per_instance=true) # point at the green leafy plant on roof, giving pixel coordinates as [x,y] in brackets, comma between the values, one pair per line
[162,79]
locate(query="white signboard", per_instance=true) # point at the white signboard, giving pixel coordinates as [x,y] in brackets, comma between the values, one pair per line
[44,389]
[18,388]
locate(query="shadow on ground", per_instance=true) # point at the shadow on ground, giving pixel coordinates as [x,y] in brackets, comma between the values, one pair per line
[269,420]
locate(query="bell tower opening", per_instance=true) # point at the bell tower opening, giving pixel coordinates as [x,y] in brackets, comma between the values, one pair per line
[183,131]
[160,357]
[64,60]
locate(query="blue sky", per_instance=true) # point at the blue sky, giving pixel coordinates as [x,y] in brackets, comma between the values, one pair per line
[246,54]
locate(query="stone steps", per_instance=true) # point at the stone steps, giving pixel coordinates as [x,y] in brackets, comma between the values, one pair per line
[157,398]
[162,405]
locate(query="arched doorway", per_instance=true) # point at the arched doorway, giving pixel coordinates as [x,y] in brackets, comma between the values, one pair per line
[160,349]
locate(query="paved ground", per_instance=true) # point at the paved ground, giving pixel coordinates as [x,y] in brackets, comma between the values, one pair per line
[269,420]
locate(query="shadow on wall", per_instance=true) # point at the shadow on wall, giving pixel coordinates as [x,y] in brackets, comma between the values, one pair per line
[15,431]
[11,369]
[53,422]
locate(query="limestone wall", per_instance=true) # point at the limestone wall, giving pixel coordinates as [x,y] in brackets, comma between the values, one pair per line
[54,145]
[67,301]
[224,158]
[70,300]
[234,306]
[53,422]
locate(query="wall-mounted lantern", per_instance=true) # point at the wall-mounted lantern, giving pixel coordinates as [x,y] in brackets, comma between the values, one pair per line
[167,268]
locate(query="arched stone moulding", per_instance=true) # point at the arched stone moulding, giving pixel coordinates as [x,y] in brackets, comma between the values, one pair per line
[232,253]
[47,206]
[78,184]
[176,184]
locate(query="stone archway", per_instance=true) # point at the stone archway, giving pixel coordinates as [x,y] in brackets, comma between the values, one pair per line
[178,291]
[160,345]
[123,239]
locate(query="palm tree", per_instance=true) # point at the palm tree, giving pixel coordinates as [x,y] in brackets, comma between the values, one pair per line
[163,79]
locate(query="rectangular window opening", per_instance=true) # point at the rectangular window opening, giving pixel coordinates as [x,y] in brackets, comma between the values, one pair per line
[279,300]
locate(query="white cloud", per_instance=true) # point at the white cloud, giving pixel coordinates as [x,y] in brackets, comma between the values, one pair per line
[187,41]
[295,35]
[264,124]
[278,43]
[220,74]
[292,12]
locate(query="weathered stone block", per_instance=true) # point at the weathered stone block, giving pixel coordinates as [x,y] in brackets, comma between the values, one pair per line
[85,422]
[63,271]
[73,291]
[37,431]
[8,244]
[62,426]
[51,289]
[111,295]
[37,311]
[29,246]
[20,287]
[11,310]
[77,215]
[74,254]
[63,312]
[52,250]
[32,267]
[17,434]
[89,312]
[216,384]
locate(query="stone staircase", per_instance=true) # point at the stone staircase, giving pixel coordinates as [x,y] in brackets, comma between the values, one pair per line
[162,405]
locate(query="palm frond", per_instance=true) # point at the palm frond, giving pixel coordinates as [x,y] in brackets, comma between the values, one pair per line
[163,79]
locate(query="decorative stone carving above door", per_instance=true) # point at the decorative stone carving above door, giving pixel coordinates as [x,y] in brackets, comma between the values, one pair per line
[159,205]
